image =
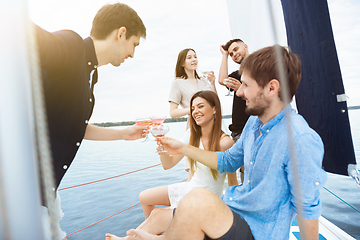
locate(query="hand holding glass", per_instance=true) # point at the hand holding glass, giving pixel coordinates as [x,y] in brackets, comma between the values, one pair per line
[144,122]
[159,132]
[226,81]
[206,73]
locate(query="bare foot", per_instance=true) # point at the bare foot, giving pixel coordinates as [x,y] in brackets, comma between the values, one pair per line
[109,236]
[135,234]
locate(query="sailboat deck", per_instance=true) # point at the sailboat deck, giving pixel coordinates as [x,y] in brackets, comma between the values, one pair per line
[327,231]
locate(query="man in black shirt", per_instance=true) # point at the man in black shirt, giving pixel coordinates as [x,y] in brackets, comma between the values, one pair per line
[238,51]
[69,65]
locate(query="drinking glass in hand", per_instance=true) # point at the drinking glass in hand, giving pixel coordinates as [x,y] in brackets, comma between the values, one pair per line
[159,132]
[206,73]
[143,121]
[226,81]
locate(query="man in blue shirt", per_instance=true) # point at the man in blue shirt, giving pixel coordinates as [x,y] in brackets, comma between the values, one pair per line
[264,206]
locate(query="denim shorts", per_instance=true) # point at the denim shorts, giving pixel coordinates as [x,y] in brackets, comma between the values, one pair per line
[240,230]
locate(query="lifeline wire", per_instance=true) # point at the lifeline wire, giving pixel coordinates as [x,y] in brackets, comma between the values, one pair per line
[102,219]
[341,199]
[114,213]
[83,184]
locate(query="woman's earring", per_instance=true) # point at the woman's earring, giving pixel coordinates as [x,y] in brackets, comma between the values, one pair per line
[214,116]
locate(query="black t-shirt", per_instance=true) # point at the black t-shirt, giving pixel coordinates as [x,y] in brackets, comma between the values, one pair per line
[239,117]
[67,61]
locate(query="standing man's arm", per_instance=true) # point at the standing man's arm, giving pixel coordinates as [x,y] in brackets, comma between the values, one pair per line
[309,229]
[223,72]
[103,134]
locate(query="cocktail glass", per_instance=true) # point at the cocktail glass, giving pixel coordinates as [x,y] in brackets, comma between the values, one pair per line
[157,120]
[206,73]
[226,80]
[159,131]
[144,121]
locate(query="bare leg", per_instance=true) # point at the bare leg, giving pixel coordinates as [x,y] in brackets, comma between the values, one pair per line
[141,234]
[199,212]
[152,197]
[158,221]
[109,236]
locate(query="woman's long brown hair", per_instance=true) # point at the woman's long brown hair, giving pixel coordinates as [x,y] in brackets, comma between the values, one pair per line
[180,70]
[216,133]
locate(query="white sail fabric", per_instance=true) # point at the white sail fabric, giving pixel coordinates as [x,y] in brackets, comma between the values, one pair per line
[250,20]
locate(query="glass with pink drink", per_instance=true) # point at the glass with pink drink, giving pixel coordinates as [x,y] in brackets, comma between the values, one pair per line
[159,131]
[158,120]
[144,121]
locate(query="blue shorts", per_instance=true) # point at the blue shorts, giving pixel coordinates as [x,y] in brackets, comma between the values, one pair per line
[240,230]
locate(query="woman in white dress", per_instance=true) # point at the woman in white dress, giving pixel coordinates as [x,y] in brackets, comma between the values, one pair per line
[205,132]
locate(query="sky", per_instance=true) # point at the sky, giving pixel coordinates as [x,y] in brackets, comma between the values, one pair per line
[141,85]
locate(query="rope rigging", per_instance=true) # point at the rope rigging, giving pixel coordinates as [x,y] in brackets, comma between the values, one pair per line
[102,219]
[83,184]
[104,179]
[341,199]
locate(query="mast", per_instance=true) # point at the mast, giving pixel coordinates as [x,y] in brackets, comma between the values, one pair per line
[19,183]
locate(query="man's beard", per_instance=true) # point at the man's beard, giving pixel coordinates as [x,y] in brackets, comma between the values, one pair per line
[242,58]
[261,106]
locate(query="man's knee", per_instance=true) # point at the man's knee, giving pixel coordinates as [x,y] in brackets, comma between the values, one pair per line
[204,210]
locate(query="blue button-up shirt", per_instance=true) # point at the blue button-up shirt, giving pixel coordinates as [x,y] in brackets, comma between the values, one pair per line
[267,198]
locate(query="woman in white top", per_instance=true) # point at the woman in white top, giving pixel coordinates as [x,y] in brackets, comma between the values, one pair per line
[186,83]
[205,132]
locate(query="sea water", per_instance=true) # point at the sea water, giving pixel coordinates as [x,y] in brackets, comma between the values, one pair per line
[95,160]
